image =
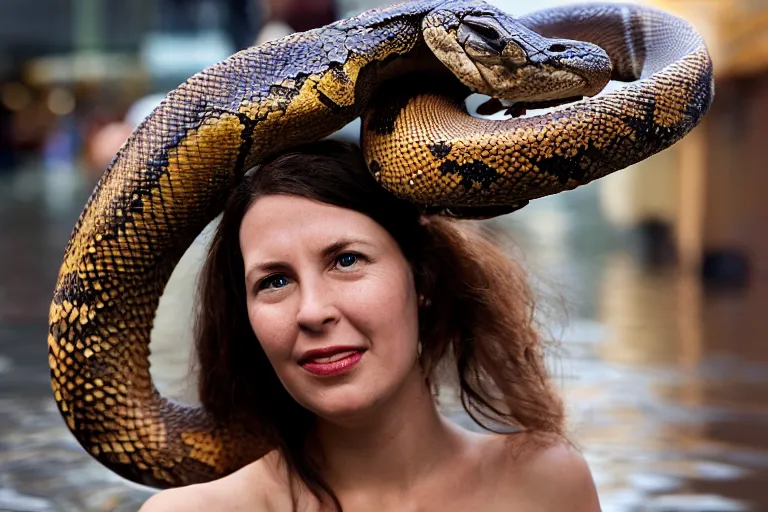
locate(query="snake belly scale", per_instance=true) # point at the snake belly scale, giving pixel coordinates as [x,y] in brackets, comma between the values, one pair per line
[173,174]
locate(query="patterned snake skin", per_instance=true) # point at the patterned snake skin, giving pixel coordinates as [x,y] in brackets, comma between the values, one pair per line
[488,162]
[173,174]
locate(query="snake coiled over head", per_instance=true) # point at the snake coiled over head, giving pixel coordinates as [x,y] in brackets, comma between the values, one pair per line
[172,176]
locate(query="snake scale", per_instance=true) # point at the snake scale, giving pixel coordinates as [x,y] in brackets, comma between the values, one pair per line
[173,174]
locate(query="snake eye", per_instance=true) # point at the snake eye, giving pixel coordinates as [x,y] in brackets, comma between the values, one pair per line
[483,30]
[557,48]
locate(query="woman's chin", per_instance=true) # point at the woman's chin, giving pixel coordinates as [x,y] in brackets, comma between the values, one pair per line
[342,406]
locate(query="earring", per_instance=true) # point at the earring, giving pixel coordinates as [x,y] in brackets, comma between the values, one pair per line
[418,349]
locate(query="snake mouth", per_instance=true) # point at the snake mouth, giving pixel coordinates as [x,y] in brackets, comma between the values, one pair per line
[520,108]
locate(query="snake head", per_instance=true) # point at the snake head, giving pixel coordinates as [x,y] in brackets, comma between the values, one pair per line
[492,53]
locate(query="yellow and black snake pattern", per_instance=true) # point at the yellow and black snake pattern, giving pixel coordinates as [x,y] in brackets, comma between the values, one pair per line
[173,174]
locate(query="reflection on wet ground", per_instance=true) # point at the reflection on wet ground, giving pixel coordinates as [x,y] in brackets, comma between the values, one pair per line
[665,383]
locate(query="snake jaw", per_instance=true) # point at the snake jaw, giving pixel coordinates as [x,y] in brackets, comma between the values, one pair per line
[594,67]
[531,83]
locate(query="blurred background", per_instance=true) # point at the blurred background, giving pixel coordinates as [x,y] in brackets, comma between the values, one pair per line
[652,281]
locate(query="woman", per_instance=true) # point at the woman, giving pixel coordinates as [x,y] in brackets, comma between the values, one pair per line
[330,311]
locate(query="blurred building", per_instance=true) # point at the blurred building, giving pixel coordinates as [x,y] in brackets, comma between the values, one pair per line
[29,29]
[735,168]
[70,67]
[709,187]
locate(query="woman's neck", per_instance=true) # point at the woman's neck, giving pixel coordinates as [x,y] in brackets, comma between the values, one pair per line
[393,449]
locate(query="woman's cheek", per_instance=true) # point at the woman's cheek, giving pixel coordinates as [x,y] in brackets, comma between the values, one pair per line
[384,302]
[384,286]
[271,329]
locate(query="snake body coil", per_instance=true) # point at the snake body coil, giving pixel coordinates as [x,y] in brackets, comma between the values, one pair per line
[488,162]
[174,173]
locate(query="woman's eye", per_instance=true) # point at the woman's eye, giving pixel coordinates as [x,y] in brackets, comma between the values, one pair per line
[271,282]
[346,260]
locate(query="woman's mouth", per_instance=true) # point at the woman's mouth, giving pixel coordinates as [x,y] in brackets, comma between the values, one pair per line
[334,364]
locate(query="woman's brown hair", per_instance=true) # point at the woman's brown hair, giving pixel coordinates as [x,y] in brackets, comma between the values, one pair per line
[476,319]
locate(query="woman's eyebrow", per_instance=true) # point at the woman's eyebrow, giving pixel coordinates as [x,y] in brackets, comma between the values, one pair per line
[341,243]
[265,266]
[327,252]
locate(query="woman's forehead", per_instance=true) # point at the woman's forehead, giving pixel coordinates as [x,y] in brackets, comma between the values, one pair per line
[279,223]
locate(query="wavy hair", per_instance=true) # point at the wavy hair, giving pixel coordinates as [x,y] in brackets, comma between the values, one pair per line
[476,325]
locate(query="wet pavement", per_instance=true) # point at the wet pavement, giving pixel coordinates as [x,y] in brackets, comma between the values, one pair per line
[665,384]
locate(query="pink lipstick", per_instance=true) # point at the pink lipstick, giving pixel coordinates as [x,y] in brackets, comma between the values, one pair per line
[331,361]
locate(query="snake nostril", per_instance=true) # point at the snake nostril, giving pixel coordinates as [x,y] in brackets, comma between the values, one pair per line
[557,48]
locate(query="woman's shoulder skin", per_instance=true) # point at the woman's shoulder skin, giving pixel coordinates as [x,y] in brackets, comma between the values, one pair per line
[253,488]
[551,472]
[193,498]
[529,471]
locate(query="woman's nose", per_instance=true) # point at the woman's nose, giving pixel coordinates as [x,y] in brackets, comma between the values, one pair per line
[317,309]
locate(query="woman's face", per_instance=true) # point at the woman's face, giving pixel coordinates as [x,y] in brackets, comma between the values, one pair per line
[331,299]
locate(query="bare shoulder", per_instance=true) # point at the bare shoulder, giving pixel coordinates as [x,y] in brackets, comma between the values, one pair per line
[246,489]
[192,498]
[553,474]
